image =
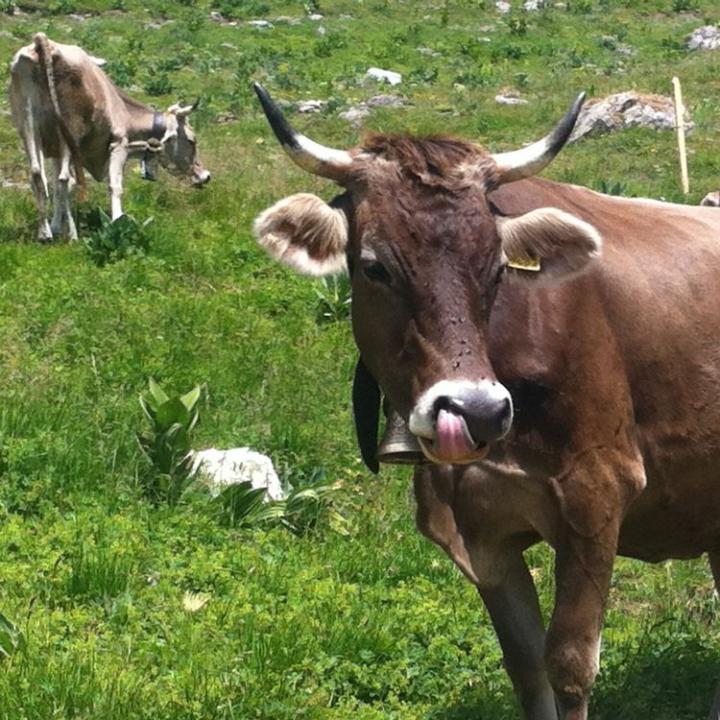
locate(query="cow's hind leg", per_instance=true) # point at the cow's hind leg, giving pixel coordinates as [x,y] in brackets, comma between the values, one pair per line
[38,180]
[62,215]
[714,558]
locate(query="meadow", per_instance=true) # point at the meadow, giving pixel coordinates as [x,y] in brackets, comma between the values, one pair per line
[115,604]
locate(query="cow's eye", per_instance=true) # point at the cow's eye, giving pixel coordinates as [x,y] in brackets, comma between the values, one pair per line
[375,271]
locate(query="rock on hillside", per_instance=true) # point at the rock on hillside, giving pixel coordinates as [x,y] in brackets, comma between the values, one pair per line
[706,37]
[626,110]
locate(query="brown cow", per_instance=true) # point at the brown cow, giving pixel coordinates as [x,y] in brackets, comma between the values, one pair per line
[65,107]
[559,398]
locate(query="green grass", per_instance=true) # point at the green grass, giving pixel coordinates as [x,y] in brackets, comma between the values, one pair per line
[372,624]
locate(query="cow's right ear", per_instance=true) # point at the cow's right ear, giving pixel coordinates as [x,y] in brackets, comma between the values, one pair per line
[305,233]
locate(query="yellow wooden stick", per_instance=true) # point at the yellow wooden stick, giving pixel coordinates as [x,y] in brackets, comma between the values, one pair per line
[680,125]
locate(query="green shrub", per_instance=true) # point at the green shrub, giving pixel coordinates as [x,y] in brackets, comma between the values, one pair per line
[166,443]
[158,83]
[241,8]
[108,241]
[334,296]
[305,506]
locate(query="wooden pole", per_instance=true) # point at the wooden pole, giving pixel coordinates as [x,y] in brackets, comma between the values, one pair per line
[680,126]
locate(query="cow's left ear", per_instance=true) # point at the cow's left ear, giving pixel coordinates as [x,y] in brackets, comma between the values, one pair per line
[305,233]
[547,245]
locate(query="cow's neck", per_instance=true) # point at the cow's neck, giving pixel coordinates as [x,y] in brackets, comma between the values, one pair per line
[145,123]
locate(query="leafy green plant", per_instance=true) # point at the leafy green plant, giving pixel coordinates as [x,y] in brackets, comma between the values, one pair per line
[334,296]
[241,505]
[61,7]
[109,240]
[612,187]
[8,6]
[241,8]
[158,83]
[166,443]
[12,639]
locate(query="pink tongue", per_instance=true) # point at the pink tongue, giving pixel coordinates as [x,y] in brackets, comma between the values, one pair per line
[451,437]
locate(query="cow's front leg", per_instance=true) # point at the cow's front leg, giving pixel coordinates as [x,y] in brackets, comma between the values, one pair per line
[118,157]
[593,494]
[504,583]
[515,613]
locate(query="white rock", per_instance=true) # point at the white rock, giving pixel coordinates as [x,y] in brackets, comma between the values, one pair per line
[532,5]
[315,17]
[503,7]
[429,52]
[218,469]
[384,101]
[712,199]
[704,38]
[260,24]
[311,106]
[355,115]
[509,100]
[626,110]
[389,76]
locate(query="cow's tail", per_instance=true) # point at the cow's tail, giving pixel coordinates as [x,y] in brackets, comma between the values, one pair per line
[44,51]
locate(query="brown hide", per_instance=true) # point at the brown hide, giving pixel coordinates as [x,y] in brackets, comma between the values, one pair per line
[613,367]
[640,331]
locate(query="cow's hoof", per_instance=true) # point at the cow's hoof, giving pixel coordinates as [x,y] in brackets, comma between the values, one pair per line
[44,233]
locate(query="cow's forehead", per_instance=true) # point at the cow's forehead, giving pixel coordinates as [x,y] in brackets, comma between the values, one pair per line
[417,165]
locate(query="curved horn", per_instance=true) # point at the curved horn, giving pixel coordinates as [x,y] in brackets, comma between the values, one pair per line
[309,155]
[532,159]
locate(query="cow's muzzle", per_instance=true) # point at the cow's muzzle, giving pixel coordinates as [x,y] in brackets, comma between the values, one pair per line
[455,421]
[199,179]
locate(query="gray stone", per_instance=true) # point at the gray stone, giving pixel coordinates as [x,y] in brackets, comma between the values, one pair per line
[510,100]
[355,115]
[626,110]
[311,106]
[219,469]
[261,24]
[389,76]
[503,7]
[704,38]
[385,101]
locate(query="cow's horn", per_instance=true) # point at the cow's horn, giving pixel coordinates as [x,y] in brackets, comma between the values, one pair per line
[532,159]
[309,155]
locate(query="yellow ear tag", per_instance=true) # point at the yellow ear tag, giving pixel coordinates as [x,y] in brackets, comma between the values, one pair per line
[526,263]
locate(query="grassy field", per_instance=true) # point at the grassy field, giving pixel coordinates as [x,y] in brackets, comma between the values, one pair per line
[357,619]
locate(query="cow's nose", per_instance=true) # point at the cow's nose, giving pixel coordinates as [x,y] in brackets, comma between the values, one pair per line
[487,415]
[202,178]
[484,408]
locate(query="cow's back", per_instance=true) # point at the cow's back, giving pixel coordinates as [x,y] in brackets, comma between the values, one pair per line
[91,106]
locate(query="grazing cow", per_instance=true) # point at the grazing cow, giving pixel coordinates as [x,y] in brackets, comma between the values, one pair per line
[558,397]
[712,199]
[66,108]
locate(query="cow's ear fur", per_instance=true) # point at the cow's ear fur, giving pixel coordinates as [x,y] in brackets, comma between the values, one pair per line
[305,233]
[552,244]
